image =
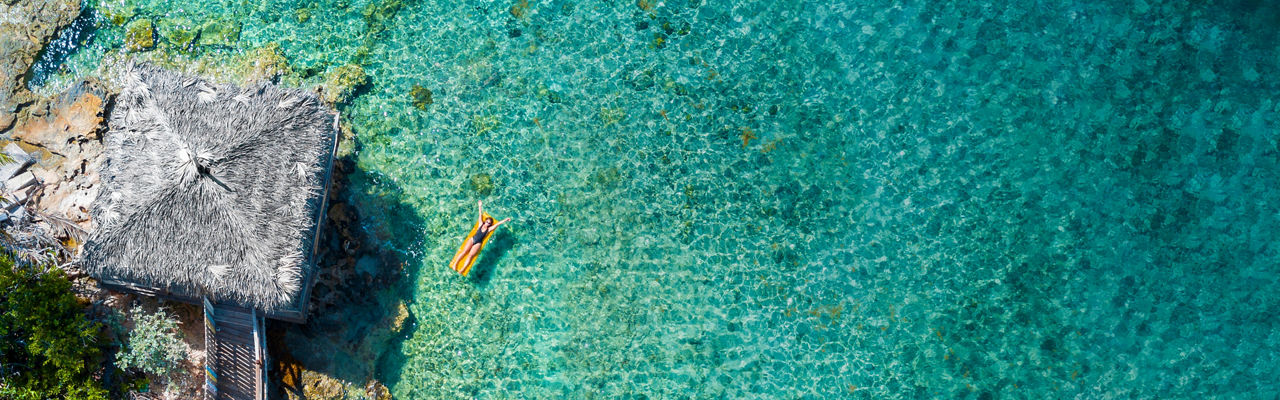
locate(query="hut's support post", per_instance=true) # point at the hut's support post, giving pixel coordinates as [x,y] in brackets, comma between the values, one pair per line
[259,356]
[210,352]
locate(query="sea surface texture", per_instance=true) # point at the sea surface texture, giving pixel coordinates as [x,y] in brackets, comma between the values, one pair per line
[801,199]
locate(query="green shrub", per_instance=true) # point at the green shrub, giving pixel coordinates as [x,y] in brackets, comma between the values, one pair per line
[154,346]
[48,348]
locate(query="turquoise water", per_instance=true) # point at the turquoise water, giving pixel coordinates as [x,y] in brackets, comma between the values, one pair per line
[954,199]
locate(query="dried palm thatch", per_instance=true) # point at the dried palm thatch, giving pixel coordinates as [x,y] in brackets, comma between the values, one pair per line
[210,190]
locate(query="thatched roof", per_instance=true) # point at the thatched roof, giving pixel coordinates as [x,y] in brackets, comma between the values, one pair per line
[211,190]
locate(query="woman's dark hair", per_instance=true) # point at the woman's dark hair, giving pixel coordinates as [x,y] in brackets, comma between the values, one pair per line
[488,220]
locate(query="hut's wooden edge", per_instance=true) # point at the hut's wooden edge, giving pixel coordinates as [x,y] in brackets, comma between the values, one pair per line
[321,213]
[289,315]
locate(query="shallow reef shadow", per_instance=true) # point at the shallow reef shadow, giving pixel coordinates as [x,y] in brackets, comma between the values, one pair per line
[357,307]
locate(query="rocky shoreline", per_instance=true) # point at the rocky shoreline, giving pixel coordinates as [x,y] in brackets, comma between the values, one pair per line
[62,133]
[27,27]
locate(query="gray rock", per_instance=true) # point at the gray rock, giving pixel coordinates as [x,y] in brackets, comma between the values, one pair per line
[21,160]
[26,27]
[14,184]
[22,196]
[15,151]
[9,170]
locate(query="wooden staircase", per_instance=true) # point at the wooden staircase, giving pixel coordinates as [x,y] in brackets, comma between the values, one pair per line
[235,360]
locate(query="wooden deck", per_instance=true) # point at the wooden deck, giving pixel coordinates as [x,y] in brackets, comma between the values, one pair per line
[235,354]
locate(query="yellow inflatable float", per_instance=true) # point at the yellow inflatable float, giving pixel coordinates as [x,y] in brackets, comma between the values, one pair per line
[471,246]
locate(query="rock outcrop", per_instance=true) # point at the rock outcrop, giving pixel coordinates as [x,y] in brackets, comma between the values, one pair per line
[342,83]
[26,27]
[64,131]
[70,131]
[140,35]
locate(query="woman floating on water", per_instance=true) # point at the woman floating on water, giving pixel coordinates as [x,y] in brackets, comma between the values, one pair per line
[475,241]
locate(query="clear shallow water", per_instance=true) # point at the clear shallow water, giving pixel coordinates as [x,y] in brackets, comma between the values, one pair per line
[812,200]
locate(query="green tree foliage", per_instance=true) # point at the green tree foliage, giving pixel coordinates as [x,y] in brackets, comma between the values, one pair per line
[154,345]
[48,348]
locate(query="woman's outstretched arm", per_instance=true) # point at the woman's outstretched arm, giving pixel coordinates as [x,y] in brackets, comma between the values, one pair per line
[495,226]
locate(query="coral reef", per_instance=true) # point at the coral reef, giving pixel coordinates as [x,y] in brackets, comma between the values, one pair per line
[342,82]
[140,35]
[220,32]
[264,63]
[118,12]
[378,12]
[481,183]
[179,32]
[422,97]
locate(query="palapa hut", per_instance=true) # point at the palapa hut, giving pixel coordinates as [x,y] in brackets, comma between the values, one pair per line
[213,194]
